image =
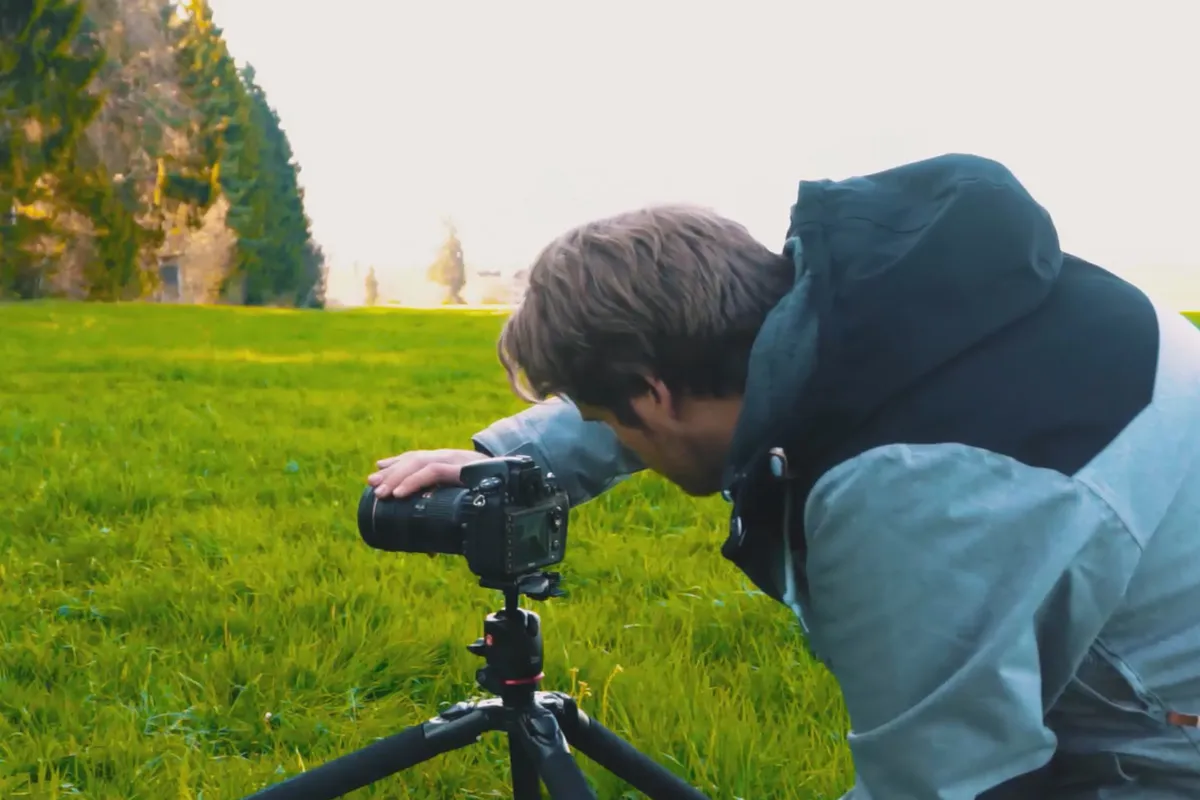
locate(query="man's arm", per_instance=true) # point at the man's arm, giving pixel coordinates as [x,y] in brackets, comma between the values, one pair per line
[585,456]
[954,594]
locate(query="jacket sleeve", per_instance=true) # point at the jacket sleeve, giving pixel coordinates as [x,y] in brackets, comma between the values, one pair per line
[586,457]
[954,593]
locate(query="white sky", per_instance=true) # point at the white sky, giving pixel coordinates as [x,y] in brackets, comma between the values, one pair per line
[523,118]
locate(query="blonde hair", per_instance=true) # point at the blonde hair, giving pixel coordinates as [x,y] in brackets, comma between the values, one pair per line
[673,292]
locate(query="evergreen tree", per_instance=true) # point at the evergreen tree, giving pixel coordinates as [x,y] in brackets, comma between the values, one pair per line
[48,59]
[227,142]
[316,264]
[247,158]
[371,296]
[192,179]
[114,271]
[449,268]
[294,265]
[90,179]
[140,141]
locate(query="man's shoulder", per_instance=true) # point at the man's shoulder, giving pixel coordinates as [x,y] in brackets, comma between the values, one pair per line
[951,486]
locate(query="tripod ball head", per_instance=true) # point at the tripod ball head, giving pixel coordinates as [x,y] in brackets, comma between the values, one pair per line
[512,647]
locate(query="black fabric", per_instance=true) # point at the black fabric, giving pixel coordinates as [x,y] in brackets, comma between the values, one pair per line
[1052,390]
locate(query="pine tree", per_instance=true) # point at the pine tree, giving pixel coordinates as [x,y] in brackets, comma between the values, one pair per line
[190,178]
[229,145]
[91,181]
[316,264]
[47,64]
[294,265]
[449,268]
[371,296]
[128,185]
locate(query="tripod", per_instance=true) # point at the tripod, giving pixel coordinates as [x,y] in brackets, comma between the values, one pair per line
[540,725]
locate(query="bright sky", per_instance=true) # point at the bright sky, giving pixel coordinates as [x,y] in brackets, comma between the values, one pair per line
[521,119]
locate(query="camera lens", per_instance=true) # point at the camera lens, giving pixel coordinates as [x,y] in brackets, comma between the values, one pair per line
[428,522]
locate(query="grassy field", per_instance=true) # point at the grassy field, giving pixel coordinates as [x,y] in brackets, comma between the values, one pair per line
[187,611]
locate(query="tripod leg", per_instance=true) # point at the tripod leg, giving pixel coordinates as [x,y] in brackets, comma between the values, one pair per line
[457,727]
[615,754]
[537,731]
[526,784]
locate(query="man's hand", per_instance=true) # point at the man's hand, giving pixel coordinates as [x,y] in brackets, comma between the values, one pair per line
[400,476]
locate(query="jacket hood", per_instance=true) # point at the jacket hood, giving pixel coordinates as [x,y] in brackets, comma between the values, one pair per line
[897,273]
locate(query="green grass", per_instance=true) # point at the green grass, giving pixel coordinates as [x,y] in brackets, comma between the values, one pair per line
[179,559]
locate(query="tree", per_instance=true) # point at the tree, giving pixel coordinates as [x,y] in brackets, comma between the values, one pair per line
[229,145]
[293,263]
[449,268]
[248,159]
[128,134]
[131,145]
[316,262]
[372,295]
[48,60]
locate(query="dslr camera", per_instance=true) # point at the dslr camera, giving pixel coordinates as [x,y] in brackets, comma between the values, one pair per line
[507,518]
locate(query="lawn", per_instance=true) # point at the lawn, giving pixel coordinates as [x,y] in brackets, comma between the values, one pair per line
[187,610]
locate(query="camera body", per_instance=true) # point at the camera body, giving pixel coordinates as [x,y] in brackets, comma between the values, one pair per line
[507,518]
[517,518]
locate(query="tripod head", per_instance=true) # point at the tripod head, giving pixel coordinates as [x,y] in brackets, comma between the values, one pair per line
[512,637]
[536,585]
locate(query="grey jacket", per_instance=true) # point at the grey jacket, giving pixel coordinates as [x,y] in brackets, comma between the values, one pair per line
[970,464]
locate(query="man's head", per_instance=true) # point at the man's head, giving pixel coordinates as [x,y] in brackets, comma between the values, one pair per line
[645,321]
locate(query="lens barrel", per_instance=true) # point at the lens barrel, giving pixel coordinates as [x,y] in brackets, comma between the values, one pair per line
[428,522]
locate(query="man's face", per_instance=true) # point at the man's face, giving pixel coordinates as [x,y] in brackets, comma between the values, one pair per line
[686,442]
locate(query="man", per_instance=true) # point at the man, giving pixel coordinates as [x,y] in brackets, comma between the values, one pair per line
[968,461]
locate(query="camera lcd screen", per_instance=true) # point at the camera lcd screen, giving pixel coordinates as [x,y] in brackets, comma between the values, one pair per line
[529,537]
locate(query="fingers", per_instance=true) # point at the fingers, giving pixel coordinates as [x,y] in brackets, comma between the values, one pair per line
[409,472]
[413,456]
[388,478]
[428,475]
